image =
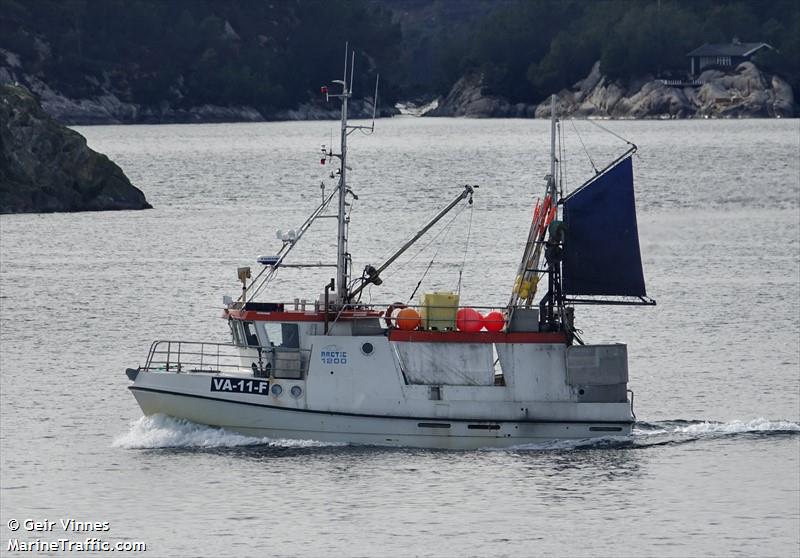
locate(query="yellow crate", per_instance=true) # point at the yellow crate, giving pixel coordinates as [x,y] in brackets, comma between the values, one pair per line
[439,310]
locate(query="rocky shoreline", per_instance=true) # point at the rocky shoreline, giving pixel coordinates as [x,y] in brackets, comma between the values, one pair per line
[46,167]
[744,92]
[468,98]
[106,107]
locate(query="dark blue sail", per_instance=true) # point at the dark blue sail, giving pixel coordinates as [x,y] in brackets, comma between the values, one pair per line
[601,245]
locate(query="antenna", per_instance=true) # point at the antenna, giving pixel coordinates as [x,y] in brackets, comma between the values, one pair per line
[352,70]
[375,101]
[344,79]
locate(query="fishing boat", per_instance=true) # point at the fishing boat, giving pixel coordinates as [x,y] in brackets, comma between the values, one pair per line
[435,374]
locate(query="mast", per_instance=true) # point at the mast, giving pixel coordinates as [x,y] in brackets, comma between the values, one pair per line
[552,300]
[342,255]
[342,275]
[529,271]
[552,180]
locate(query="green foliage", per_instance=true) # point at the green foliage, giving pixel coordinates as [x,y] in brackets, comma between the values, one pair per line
[270,55]
[650,39]
[784,61]
[275,54]
[509,40]
[527,49]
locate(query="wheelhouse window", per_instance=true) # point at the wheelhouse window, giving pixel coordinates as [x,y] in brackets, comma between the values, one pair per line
[250,334]
[291,336]
[274,333]
[283,335]
[236,333]
[245,334]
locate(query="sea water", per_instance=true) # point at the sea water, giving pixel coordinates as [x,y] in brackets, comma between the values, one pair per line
[712,467]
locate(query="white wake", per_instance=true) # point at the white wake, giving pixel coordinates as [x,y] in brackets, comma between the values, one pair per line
[647,434]
[161,431]
[711,427]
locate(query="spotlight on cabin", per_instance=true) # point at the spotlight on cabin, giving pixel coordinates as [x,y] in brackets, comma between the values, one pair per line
[371,275]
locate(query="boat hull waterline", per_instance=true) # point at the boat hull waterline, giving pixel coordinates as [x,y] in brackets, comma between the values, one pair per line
[159,393]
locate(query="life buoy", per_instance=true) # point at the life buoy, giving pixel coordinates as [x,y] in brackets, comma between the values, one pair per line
[387,316]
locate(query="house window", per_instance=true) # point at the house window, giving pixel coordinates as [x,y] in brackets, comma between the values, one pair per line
[723,60]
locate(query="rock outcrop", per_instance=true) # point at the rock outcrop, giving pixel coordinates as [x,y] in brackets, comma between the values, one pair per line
[745,92]
[321,110]
[468,97]
[45,167]
[105,106]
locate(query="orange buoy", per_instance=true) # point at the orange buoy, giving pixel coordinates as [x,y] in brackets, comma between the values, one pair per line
[407,319]
[469,320]
[494,321]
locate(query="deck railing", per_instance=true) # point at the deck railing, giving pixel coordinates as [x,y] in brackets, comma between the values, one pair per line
[681,82]
[201,356]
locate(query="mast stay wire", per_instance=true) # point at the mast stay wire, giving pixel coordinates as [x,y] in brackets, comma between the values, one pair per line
[271,271]
[433,258]
[580,139]
[424,274]
[434,237]
[562,160]
[616,135]
[466,248]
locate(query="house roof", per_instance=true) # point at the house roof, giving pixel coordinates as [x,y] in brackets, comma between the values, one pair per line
[728,49]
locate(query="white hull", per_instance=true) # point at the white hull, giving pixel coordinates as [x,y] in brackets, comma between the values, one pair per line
[185,396]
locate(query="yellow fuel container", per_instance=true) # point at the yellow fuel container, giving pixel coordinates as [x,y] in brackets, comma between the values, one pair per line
[439,310]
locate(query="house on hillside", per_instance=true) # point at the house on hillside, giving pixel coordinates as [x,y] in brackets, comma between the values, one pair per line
[723,54]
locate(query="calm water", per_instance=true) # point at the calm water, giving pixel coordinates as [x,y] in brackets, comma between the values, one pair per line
[713,468]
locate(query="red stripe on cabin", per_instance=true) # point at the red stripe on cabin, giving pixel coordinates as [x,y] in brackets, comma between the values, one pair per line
[299,316]
[479,337]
